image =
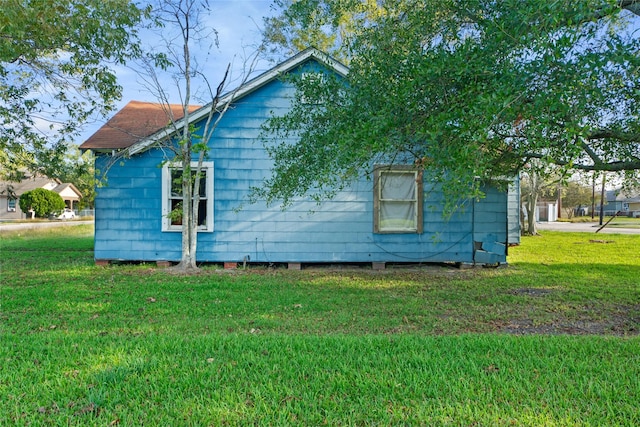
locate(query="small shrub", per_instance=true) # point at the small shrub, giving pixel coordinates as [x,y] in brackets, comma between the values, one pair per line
[43,202]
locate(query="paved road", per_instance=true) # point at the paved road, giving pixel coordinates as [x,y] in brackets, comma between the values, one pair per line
[6,226]
[586,227]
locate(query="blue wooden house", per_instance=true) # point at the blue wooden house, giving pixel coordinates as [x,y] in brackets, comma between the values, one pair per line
[395,217]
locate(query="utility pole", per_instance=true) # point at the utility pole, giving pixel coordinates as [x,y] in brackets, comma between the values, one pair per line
[559,201]
[602,198]
[593,195]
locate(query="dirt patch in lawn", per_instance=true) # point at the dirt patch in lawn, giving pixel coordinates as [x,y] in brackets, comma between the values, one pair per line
[621,323]
[533,292]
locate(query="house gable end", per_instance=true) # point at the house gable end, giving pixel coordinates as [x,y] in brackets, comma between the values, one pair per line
[251,86]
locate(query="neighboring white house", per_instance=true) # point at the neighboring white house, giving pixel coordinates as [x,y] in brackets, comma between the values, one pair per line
[546,211]
[10,194]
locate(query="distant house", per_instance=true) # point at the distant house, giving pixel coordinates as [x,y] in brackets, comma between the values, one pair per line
[619,201]
[10,193]
[392,216]
[546,210]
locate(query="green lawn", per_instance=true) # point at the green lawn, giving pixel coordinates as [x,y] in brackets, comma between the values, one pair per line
[617,222]
[550,340]
[625,222]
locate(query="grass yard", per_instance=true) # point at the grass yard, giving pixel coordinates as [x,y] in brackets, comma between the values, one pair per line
[551,340]
[617,222]
[625,222]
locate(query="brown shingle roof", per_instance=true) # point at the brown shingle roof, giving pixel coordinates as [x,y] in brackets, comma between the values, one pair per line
[30,182]
[134,122]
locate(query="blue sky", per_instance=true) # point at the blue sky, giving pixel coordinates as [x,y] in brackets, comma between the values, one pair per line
[238,23]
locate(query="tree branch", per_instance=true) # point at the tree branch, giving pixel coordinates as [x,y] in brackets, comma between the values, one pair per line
[617,166]
[620,136]
[632,6]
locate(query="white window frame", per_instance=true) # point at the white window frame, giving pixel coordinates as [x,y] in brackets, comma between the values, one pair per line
[11,201]
[207,169]
[378,201]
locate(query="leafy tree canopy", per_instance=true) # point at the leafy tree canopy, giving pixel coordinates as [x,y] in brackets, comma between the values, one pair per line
[42,201]
[55,58]
[78,168]
[575,195]
[468,90]
[330,26]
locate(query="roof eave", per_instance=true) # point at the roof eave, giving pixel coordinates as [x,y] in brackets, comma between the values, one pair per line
[249,87]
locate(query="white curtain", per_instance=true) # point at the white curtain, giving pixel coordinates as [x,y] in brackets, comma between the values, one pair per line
[398,201]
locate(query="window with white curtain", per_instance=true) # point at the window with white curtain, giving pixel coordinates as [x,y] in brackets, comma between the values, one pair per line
[397,199]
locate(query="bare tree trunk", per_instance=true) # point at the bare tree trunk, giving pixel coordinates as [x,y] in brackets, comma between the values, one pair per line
[189,228]
[195,212]
[559,202]
[532,200]
[185,16]
[602,197]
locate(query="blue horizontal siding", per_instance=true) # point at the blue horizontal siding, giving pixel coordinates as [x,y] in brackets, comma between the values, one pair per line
[128,209]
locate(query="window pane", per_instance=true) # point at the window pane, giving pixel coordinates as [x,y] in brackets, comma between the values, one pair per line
[176,195]
[202,212]
[398,216]
[203,183]
[176,204]
[398,186]
[397,200]
[176,182]
[173,195]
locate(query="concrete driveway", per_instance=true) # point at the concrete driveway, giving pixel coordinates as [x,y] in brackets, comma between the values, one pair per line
[585,227]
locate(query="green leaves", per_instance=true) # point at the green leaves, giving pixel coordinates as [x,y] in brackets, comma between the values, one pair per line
[41,201]
[55,72]
[471,91]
